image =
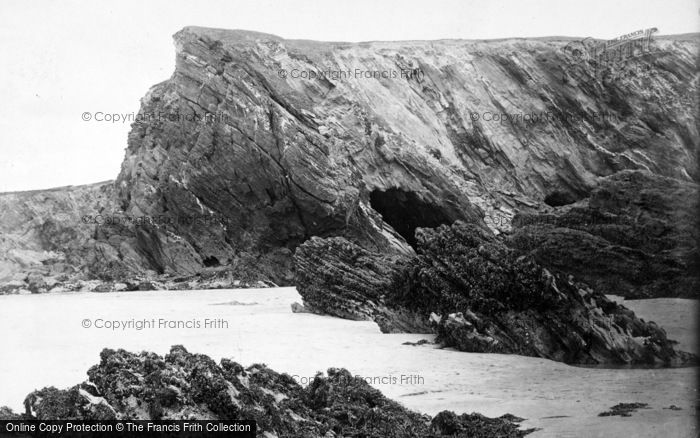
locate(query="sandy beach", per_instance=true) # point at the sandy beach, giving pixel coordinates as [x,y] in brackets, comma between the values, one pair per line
[50,346]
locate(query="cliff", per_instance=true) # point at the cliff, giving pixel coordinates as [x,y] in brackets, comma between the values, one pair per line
[256,144]
[284,158]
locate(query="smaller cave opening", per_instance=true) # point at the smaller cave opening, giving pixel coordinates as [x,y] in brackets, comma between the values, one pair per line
[405,211]
[211,262]
[559,198]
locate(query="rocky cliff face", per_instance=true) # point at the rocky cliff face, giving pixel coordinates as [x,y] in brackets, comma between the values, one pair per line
[636,235]
[75,238]
[388,137]
[260,143]
[43,238]
[185,386]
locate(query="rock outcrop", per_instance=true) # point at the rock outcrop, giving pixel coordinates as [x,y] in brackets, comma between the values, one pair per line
[185,386]
[339,278]
[637,236]
[41,237]
[70,239]
[479,295]
[256,144]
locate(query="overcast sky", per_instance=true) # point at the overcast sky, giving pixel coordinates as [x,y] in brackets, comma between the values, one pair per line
[63,58]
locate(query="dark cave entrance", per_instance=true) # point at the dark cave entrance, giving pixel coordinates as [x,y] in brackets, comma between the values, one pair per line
[405,212]
[558,199]
[211,262]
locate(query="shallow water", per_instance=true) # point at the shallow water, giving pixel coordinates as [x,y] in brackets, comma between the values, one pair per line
[44,343]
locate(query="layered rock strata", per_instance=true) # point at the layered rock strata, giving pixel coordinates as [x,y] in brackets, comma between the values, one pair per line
[637,235]
[274,141]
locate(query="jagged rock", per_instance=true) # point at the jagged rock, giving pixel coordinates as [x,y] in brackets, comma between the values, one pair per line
[321,263]
[416,344]
[624,409]
[209,278]
[299,308]
[105,287]
[478,295]
[54,404]
[12,287]
[447,423]
[7,414]
[36,283]
[182,386]
[636,236]
[150,285]
[337,277]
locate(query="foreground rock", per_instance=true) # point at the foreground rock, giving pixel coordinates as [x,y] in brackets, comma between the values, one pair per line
[192,386]
[636,236]
[479,296]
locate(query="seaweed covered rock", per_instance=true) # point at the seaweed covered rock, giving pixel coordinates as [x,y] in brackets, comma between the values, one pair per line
[479,295]
[182,385]
[492,299]
[636,236]
[79,401]
[353,408]
[450,424]
[7,414]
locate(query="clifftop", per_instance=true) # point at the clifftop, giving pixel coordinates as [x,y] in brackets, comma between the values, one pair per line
[243,35]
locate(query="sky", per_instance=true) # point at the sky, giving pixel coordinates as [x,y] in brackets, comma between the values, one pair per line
[63,58]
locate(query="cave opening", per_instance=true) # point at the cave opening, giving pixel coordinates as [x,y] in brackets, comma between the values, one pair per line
[405,212]
[558,199]
[211,262]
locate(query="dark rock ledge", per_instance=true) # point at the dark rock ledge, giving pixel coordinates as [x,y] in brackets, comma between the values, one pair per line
[637,236]
[182,385]
[478,295]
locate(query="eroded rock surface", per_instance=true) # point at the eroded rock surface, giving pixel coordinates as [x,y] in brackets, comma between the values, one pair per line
[339,278]
[185,386]
[411,134]
[479,295]
[294,158]
[636,236]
